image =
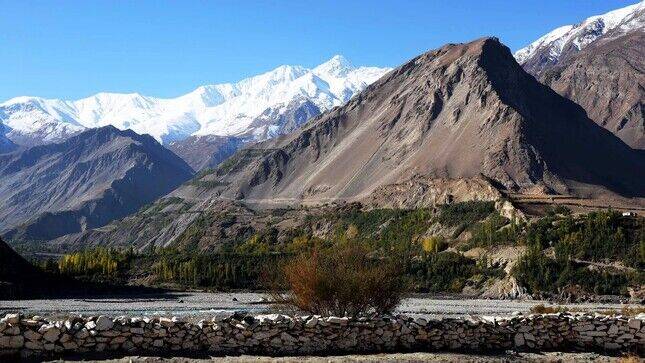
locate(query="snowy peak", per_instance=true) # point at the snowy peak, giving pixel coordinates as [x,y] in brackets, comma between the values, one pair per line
[227,109]
[338,66]
[548,49]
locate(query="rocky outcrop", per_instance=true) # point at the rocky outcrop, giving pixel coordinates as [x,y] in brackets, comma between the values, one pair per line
[84,182]
[275,335]
[423,192]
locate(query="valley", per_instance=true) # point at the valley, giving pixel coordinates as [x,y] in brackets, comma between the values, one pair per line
[470,198]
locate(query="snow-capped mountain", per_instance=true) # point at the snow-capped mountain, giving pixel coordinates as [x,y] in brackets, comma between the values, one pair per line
[569,39]
[229,109]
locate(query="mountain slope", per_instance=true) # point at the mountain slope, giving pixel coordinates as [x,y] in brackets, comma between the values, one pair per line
[228,109]
[84,182]
[6,145]
[599,64]
[457,112]
[203,152]
[567,40]
[608,80]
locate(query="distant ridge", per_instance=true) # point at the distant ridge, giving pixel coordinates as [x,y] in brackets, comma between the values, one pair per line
[84,182]
[567,40]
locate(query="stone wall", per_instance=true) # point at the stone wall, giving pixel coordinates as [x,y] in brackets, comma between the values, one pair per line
[285,335]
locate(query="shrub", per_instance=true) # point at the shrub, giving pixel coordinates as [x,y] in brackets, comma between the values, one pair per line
[494,231]
[433,244]
[541,274]
[343,281]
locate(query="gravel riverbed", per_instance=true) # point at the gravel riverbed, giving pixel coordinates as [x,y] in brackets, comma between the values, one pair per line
[198,305]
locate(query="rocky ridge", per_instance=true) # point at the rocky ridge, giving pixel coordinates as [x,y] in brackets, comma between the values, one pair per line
[204,152]
[607,79]
[84,182]
[567,40]
[599,65]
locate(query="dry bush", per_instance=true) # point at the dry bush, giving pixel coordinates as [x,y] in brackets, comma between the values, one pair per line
[629,359]
[542,309]
[625,310]
[343,281]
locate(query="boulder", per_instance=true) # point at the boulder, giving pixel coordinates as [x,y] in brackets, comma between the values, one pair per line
[104,323]
[11,319]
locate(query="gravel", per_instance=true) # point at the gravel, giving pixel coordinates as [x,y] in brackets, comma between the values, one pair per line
[200,305]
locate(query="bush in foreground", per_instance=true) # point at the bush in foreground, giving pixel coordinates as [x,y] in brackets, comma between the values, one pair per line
[343,281]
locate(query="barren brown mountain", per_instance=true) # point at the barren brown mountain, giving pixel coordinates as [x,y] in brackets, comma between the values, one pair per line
[607,79]
[456,112]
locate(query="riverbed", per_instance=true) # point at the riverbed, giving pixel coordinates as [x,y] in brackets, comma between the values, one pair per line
[203,305]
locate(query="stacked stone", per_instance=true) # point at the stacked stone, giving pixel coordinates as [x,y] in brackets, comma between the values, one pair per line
[277,334]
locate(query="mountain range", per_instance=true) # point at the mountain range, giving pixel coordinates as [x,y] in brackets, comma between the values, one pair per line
[460,112]
[471,117]
[599,64]
[83,182]
[456,112]
[255,108]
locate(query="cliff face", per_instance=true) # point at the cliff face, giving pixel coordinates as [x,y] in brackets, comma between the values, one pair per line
[84,182]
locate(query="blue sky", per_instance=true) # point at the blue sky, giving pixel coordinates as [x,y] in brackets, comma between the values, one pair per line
[72,49]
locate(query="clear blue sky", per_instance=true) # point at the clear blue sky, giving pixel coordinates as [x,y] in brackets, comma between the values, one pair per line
[72,49]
